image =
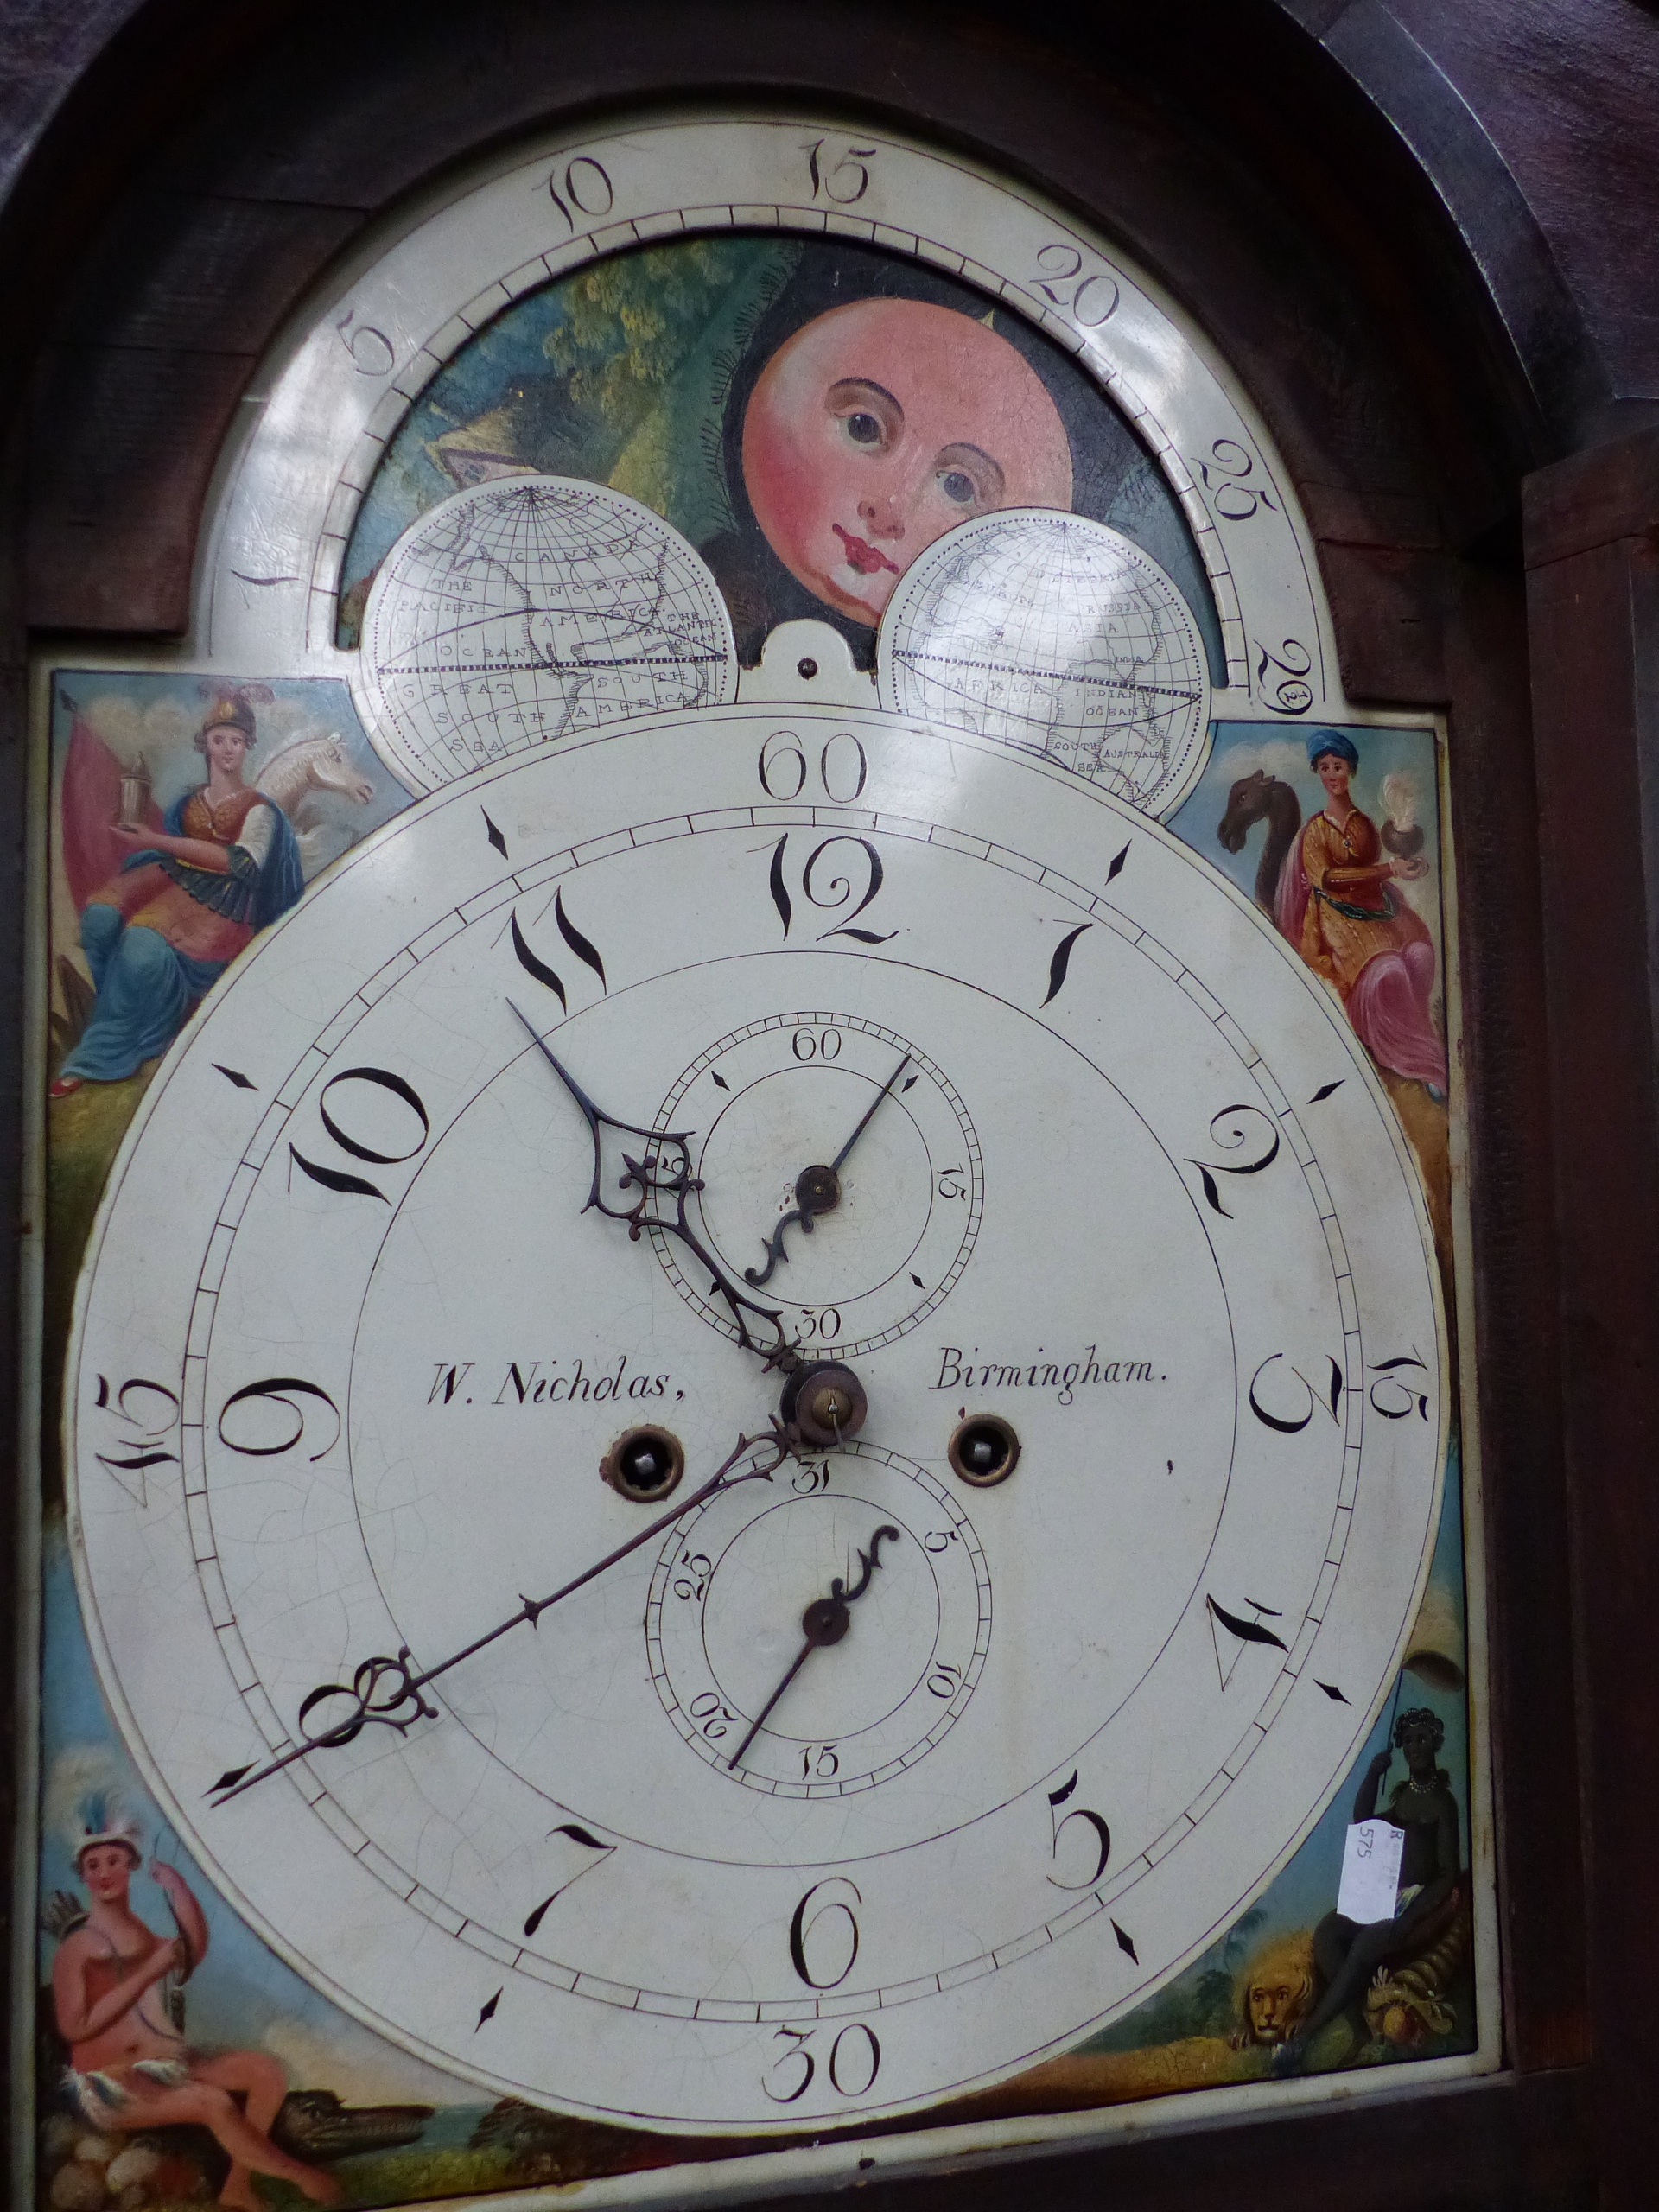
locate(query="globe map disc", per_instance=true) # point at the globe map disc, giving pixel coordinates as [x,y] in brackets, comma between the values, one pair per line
[1057,635]
[524,609]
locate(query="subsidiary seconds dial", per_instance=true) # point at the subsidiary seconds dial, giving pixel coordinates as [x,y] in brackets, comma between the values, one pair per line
[854,1254]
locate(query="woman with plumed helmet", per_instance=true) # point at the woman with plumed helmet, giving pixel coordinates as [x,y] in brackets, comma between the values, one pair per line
[187,899]
[1335,905]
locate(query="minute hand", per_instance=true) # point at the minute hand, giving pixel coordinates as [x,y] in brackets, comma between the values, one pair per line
[388,1691]
[817,1190]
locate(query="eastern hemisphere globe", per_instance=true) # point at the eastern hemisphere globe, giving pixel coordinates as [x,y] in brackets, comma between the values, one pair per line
[1057,635]
[523,610]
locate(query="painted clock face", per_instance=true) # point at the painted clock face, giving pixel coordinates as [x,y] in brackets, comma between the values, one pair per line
[552,1140]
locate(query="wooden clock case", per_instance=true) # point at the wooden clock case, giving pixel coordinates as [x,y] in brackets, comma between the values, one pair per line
[1409,248]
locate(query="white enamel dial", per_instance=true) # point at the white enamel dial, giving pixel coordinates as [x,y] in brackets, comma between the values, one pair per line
[1143,1201]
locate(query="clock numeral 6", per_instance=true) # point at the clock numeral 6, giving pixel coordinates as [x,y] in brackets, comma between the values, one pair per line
[854,2062]
[843,767]
[1094,1833]
[823,1936]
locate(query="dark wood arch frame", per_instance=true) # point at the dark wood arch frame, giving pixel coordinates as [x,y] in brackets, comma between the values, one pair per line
[1305,180]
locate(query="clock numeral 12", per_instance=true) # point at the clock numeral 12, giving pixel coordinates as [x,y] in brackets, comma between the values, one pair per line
[829,880]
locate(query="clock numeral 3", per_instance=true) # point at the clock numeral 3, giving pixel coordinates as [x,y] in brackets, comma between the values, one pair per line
[1291,1423]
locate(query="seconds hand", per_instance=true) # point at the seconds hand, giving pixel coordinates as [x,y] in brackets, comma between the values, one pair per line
[824,1622]
[817,1190]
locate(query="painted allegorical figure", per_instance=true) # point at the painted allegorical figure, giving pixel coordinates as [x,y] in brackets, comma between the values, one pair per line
[117,1996]
[186,893]
[1335,904]
[1328,884]
[1348,1956]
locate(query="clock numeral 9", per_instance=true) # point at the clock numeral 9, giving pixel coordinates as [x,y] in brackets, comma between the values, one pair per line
[1097,1835]
[336,1178]
[843,767]
[253,1435]
[854,2062]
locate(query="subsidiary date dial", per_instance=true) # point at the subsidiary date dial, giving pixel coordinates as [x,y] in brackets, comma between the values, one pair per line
[724,1615]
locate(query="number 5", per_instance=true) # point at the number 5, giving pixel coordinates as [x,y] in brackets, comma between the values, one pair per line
[1101,1844]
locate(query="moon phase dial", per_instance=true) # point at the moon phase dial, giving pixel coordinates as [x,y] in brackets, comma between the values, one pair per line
[738,1577]
[841,1177]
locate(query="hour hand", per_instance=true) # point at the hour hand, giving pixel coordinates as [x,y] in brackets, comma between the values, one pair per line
[660,1167]
[659,1174]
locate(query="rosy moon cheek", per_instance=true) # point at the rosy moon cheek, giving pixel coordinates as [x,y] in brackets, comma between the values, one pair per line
[790,485]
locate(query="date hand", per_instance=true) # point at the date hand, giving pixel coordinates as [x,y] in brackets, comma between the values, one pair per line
[388,1691]
[817,1190]
[824,1622]
[662,1176]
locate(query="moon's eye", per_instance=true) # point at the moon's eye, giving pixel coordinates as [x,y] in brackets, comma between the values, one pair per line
[957,484]
[863,430]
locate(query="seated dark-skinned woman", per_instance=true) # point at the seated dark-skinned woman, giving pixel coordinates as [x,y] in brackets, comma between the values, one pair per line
[1348,1955]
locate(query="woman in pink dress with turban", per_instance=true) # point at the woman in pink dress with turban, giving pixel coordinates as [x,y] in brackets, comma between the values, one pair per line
[1337,906]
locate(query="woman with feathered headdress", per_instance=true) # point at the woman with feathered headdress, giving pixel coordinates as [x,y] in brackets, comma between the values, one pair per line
[113,1984]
